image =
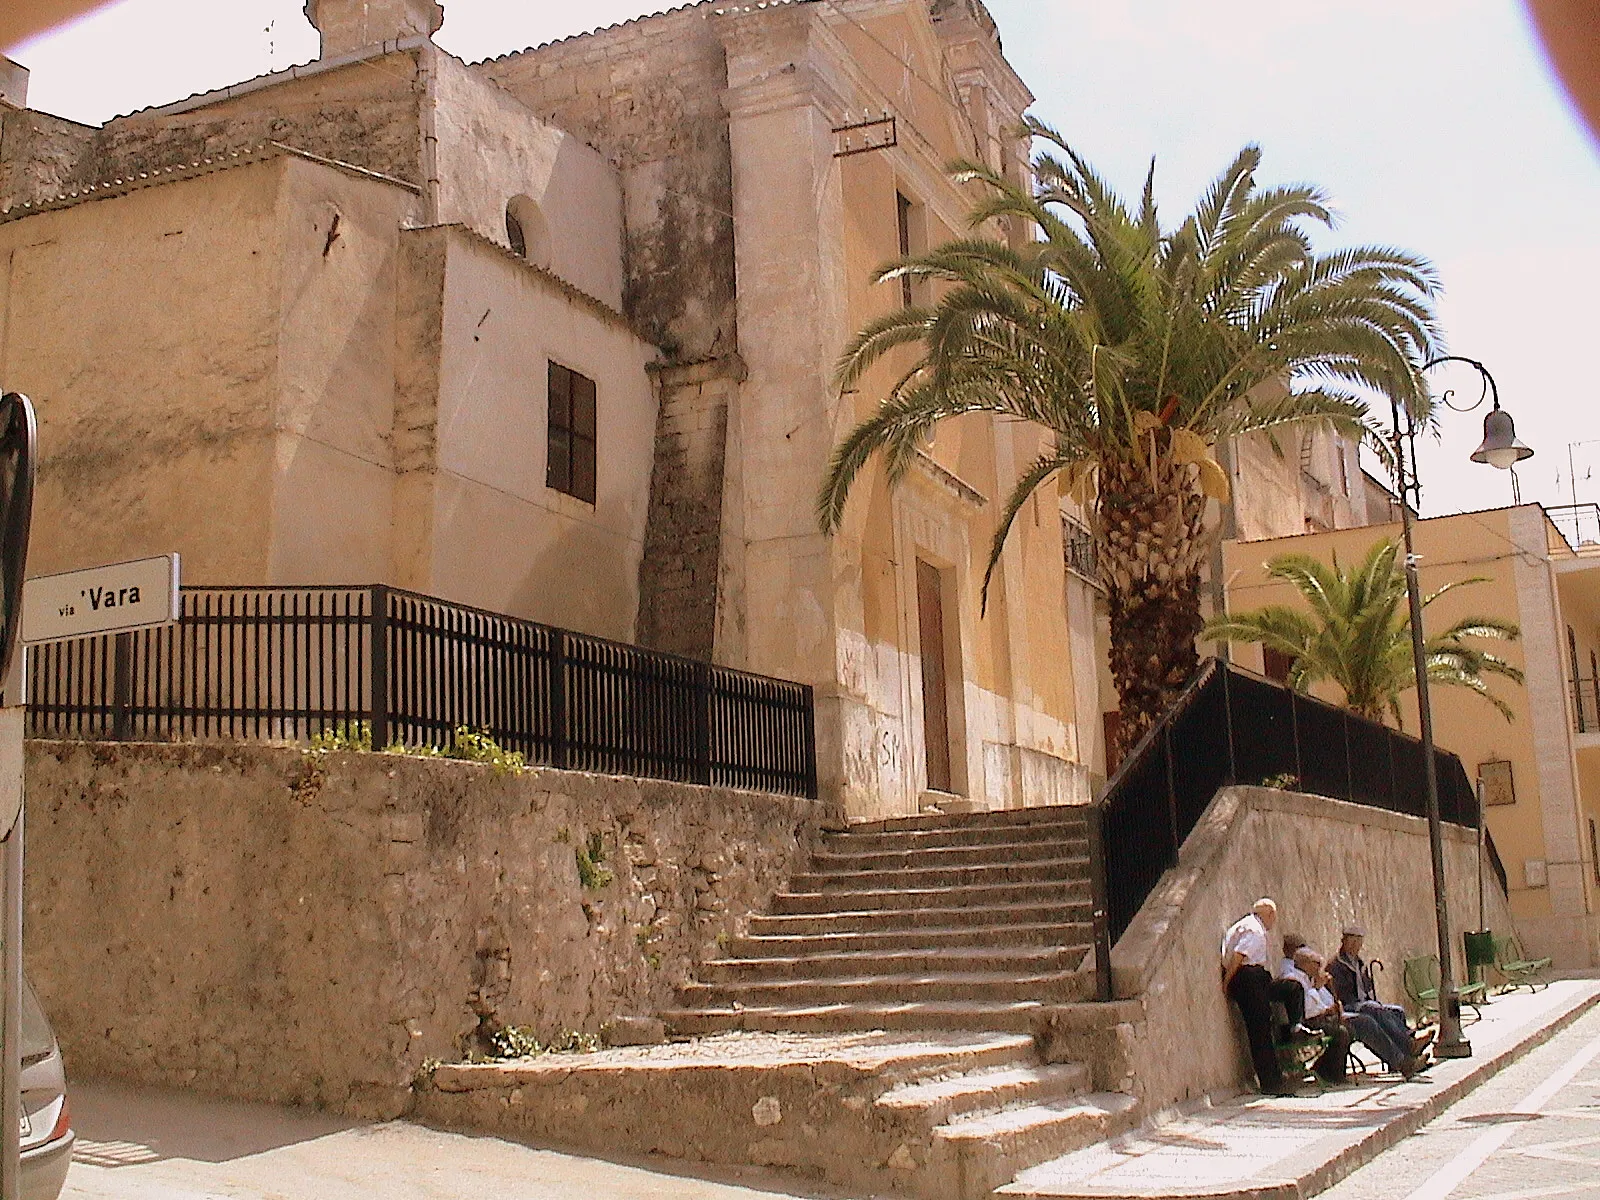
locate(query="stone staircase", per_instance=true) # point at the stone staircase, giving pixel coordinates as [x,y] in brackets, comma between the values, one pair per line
[978,922]
[975,922]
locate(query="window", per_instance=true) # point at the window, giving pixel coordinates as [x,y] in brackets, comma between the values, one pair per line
[526,231]
[1276,664]
[571,464]
[905,218]
[1594,850]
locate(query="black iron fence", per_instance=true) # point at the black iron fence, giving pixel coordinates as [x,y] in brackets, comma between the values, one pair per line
[290,663]
[1586,705]
[1233,727]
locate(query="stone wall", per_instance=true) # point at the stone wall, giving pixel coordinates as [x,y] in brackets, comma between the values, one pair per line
[648,93]
[680,578]
[1326,863]
[366,114]
[246,921]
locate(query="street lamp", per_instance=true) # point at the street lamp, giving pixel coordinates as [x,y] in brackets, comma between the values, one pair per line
[1500,449]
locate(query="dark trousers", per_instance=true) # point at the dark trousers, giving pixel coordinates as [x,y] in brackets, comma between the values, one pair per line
[1333,1065]
[1254,989]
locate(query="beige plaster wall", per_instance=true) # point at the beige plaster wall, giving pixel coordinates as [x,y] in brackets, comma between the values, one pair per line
[229,920]
[492,148]
[1326,863]
[500,538]
[151,439]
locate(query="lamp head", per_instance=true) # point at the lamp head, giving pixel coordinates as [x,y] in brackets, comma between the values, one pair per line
[1501,447]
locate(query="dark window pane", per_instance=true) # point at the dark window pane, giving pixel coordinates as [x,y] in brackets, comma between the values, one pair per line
[514,235]
[583,468]
[560,397]
[559,473]
[583,405]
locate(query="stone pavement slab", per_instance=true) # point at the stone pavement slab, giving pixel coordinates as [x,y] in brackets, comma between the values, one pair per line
[1266,1148]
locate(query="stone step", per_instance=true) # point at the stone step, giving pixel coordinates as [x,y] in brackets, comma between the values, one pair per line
[948,897]
[849,858]
[1049,870]
[974,1155]
[935,1102]
[1070,909]
[1025,960]
[791,945]
[1045,815]
[1054,987]
[1007,1016]
[930,839]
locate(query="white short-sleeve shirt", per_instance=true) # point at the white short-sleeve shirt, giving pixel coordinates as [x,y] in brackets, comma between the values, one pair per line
[1249,937]
[1318,1000]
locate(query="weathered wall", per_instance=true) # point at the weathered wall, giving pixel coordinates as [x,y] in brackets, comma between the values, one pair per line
[1326,863]
[648,93]
[366,114]
[493,148]
[212,362]
[501,539]
[224,919]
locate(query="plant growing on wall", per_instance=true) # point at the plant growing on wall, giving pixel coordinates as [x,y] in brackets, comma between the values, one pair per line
[1355,631]
[1138,347]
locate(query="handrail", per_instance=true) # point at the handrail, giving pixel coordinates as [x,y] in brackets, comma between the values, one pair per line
[1229,726]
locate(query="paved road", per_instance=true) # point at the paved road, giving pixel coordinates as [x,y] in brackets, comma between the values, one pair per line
[144,1145]
[1531,1132]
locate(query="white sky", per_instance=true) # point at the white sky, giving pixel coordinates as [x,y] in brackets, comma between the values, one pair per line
[1434,123]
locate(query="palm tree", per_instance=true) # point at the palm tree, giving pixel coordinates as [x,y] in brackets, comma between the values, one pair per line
[1357,634]
[1138,348]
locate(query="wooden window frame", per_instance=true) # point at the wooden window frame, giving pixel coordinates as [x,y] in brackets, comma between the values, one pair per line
[571,465]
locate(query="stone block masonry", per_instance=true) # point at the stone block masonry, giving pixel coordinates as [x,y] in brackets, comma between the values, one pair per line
[247,921]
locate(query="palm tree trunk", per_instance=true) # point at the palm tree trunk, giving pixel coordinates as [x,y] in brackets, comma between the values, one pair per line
[1152,535]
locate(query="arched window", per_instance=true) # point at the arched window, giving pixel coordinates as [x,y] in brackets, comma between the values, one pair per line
[526,231]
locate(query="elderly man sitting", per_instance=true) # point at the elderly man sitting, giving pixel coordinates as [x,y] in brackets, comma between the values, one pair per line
[1380,1027]
[1322,1012]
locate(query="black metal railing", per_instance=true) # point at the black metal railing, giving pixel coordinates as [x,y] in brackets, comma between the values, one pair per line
[1081,557]
[1586,705]
[1579,524]
[289,663]
[1232,727]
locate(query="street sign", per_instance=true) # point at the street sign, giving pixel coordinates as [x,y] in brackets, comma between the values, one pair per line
[113,599]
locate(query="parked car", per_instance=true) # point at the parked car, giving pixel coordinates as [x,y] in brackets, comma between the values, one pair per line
[47,1135]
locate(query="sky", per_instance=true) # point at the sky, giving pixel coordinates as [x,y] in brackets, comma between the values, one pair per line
[1434,124]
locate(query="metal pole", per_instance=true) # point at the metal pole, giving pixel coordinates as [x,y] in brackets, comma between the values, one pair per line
[1481,822]
[11,1067]
[1450,1043]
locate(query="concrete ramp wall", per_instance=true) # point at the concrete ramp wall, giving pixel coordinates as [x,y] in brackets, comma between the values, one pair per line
[1326,862]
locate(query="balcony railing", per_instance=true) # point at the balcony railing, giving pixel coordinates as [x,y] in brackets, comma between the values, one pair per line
[1579,525]
[285,664]
[1586,705]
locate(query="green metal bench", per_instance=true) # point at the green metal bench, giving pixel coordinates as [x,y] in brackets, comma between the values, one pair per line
[1516,967]
[1421,980]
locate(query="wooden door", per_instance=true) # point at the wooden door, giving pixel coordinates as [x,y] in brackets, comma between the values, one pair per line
[935,676]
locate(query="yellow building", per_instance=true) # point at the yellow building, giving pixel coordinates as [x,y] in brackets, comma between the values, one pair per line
[1541,770]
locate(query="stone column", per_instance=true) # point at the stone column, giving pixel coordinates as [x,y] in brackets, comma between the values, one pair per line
[803,609]
[350,25]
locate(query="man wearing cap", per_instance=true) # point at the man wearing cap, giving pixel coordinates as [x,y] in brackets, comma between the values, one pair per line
[1249,984]
[1352,984]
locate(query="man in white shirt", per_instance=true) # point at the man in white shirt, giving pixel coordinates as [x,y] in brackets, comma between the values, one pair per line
[1322,1012]
[1249,984]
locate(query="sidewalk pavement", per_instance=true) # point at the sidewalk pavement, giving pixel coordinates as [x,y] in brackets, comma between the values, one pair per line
[1266,1148]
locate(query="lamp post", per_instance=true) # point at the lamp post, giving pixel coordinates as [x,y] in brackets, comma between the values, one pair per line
[1500,449]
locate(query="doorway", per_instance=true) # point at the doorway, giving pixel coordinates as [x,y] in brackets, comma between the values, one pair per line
[935,676]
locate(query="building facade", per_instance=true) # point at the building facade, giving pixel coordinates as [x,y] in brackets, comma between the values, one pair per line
[553,334]
[1541,770]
